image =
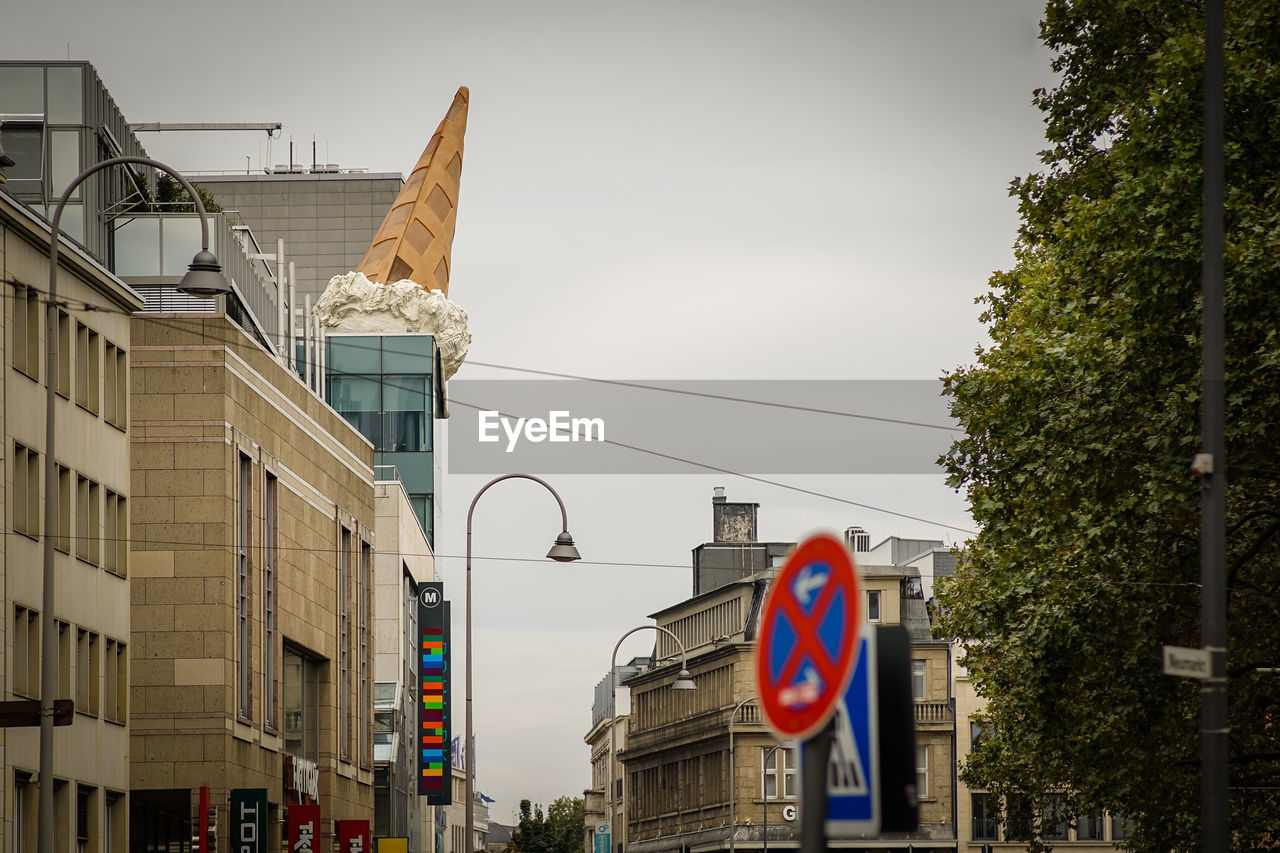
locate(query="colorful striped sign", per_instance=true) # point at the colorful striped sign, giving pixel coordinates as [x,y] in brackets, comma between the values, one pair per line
[433,681]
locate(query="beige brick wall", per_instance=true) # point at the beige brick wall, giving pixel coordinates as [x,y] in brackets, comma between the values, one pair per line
[202,395]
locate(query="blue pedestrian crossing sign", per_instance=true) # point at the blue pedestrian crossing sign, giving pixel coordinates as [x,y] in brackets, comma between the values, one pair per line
[853,776]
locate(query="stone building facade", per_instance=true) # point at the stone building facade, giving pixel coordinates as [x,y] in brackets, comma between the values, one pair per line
[91,558]
[252,530]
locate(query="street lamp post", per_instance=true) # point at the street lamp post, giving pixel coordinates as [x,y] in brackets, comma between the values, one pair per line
[563,551]
[683,681]
[203,278]
[733,775]
[776,782]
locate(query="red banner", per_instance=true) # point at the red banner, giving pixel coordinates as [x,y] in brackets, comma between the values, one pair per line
[354,836]
[304,829]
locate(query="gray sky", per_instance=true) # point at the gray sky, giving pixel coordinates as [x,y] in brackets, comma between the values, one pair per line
[661,190]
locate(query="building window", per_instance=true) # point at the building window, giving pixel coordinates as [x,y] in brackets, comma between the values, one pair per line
[977,733]
[86,819]
[88,367]
[244,472]
[344,643]
[62,520]
[115,386]
[26,651]
[783,761]
[24,812]
[115,705]
[918,680]
[1053,819]
[269,532]
[113,831]
[922,771]
[873,605]
[88,520]
[986,827]
[1089,827]
[26,490]
[87,673]
[116,546]
[64,660]
[1121,827]
[64,354]
[301,709]
[26,328]
[364,589]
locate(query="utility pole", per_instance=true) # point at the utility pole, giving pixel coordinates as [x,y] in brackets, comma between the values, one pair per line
[1215,823]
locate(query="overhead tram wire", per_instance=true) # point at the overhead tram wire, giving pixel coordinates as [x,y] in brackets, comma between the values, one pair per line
[542,560]
[1179,461]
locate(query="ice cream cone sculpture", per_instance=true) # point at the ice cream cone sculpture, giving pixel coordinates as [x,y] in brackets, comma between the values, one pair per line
[416,237]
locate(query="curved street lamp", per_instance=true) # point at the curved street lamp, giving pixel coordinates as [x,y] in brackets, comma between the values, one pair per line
[563,551]
[733,774]
[684,681]
[203,278]
[777,782]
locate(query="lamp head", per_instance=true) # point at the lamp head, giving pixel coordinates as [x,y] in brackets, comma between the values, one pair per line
[564,551]
[204,277]
[684,681]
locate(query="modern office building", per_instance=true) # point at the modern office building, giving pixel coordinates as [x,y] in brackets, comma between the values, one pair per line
[326,216]
[90,506]
[57,119]
[385,386]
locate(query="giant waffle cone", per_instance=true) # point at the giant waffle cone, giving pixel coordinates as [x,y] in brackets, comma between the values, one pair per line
[416,239]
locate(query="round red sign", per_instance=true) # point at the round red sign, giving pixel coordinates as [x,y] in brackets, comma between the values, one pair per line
[808,640]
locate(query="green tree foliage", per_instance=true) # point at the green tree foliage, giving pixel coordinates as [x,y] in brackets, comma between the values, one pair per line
[1083,416]
[560,831]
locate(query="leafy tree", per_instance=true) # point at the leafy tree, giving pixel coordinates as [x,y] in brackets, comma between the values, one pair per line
[1081,420]
[560,831]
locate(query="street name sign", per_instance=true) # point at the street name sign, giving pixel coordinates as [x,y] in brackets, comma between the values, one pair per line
[1188,663]
[808,641]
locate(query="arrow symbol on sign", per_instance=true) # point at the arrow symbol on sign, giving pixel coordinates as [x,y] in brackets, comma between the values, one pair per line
[808,582]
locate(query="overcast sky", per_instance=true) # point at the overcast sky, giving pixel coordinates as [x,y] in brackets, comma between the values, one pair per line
[660,190]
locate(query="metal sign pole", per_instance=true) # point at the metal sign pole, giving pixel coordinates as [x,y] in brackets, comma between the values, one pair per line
[813,790]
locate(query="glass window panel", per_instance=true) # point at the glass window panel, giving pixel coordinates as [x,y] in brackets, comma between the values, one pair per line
[179,242]
[21,89]
[356,399]
[1089,827]
[137,246]
[353,354]
[24,145]
[408,353]
[1053,819]
[65,97]
[72,222]
[408,424]
[64,160]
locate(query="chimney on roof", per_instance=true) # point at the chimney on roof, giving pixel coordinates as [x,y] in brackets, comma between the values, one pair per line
[732,522]
[857,540]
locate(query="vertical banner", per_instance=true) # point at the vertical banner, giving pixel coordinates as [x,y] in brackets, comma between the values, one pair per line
[304,829]
[249,820]
[354,837]
[433,679]
[203,821]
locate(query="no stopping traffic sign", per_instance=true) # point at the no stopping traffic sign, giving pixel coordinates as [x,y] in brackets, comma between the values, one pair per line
[808,640]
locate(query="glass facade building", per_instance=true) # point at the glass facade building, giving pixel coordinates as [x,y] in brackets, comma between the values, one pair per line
[385,386]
